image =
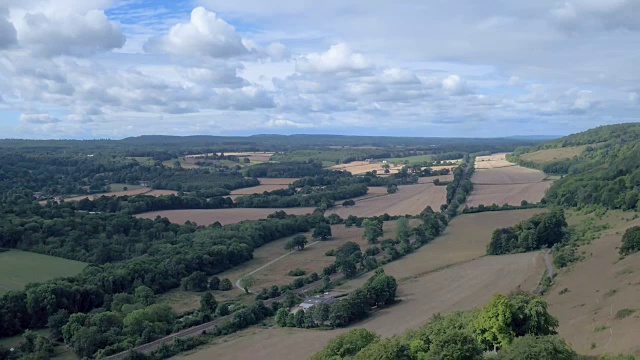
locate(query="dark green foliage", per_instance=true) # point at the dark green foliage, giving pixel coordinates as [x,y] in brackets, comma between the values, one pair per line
[214,283]
[297,272]
[542,230]
[347,344]
[297,242]
[322,231]
[372,230]
[289,169]
[630,241]
[197,281]
[348,203]
[538,348]
[208,303]
[225,285]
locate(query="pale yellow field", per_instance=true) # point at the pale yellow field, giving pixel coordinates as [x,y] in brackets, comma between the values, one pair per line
[507,176]
[361,167]
[492,161]
[409,199]
[507,194]
[429,179]
[548,155]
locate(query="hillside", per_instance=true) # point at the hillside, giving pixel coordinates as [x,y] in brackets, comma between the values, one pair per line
[606,172]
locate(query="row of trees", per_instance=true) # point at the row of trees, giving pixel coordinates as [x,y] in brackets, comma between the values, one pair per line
[460,187]
[541,230]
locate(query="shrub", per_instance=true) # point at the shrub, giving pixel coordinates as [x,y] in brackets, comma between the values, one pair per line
[297,272]
[623,313]
[225,285]
[630,241]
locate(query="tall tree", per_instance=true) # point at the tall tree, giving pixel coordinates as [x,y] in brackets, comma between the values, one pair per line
[372,230]
[322,231]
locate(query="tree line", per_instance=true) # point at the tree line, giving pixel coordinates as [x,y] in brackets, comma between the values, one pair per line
[541,230]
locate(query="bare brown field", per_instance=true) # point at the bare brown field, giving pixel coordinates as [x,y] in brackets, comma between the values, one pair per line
[361,167]
[430,179]
[507,194]
[253,156]
[224,216]
[507,176]
[409,199]
[548,155]
[597,288]
[440,167]
[460,287]
[492,161]
[113,193]
[465,239]
[161,192]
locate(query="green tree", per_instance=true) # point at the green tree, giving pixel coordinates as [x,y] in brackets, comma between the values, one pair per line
[322,231]
[298,241]
[214,283]
[246,282]
[372,230]
[281,317]
[394,348]
[347,344]
[630,241]
[55,324]
[538,348]
[493,325]
[197,281]
[225,285]
[403,231]
[454,344]
[144,295]
[208,303]
[222,310]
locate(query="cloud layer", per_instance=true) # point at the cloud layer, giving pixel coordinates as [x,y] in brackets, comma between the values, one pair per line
[104,68]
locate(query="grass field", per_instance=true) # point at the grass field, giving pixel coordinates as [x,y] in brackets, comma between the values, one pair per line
[549,155]
[18,268]
[423,291]
[597,289]
[409,160]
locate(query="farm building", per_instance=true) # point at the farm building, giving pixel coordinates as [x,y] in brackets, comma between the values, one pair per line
[315,300]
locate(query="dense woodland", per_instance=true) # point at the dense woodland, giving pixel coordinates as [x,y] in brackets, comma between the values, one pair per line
[542,230]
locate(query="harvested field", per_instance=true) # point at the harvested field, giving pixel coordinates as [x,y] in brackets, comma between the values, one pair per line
[549,155]
[266,184]
[465,239]
[224,216]
[253,156]
[161,192]
[277,181]
[507,194]
[492,161]
[409,199]
[507,176]
[460,287]
[18,268]
[361,167]
[597,288]
[430,179]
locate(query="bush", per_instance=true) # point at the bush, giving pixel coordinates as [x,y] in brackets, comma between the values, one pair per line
[331,252]
[225,285]
[297,272]
[630,241]
[623,313]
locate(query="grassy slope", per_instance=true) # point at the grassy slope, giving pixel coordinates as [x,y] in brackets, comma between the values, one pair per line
[18,268]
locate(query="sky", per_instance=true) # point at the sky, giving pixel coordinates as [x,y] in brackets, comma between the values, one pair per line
[466,68]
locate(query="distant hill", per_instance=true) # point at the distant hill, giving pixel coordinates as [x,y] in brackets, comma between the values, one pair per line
[602,166]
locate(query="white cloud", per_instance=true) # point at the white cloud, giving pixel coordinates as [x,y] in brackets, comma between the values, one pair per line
[339,58]
[284,123]
[205,34]
[8,34]
[455,85]
[37,118]
[634,97]
[76,34]
[605,14]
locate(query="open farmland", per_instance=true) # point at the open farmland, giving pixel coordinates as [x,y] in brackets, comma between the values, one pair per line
[549,155]
[266,184]
[507,194]
[597,288]
[492,161]
[18,268]
[224,216]
[506,184]
[430,179]
[361,167]
[408,200]
[422,294]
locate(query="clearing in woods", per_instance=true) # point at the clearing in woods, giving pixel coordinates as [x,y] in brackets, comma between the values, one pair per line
[361,167]
[422,294]
[224,216]
[408,200]
[274,264]
[597,300]
[549,155]
[499,184]
[266,184]
[18,268]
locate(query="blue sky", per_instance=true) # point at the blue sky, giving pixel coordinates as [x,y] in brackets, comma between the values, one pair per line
[117,68]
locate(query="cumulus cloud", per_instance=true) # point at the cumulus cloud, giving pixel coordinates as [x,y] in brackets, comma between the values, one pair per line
[634,97]
[68,33]
[205,34]
[607,14]
[284,123]
[8,34]
[339,58]
[37,118]
[455,85]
